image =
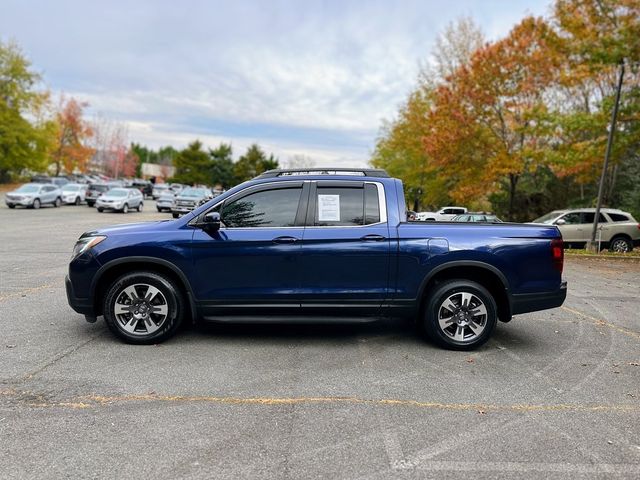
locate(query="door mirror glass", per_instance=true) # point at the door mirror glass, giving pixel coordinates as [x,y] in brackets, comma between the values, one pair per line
[560,221]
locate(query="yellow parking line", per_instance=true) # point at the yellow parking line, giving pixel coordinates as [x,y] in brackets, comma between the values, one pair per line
[87,401]
[26,291]
[603,323]
[106,400]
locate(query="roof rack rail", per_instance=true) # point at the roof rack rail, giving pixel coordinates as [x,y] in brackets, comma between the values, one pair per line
[362,172]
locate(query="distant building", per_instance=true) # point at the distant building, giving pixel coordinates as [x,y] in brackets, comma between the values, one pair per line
[159,171]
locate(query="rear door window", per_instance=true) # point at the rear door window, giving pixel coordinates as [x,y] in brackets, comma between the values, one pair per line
[339,206]
[587,217]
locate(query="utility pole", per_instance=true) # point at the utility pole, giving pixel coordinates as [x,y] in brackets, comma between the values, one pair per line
[612,128]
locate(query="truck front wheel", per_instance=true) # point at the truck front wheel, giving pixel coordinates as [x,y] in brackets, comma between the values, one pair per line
[459,315]
[143,307]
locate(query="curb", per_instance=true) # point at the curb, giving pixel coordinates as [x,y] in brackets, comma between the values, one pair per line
[618,258]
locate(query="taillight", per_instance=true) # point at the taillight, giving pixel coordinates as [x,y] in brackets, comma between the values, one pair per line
[557,254]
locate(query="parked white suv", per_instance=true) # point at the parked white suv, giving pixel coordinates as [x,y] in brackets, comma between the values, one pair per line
[445,214]
[617,230]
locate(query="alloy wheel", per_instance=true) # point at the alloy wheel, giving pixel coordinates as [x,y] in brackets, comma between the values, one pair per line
[141,309]
[620,245]
[462,317]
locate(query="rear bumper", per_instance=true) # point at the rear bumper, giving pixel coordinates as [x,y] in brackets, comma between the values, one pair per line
[80,305]
[532,302]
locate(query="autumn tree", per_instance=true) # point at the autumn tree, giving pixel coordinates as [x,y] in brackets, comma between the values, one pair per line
[26,132]
[71,151]
[487,127]
[596,37]
[253,163]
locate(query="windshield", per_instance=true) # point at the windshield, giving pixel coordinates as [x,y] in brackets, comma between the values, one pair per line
[118,192]
[71,188]
[193,192]
[549,217]
[28,189]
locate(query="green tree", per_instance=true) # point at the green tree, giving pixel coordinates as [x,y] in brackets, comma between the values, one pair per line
[222,168]
[193,165]
[253,163]
[26,135]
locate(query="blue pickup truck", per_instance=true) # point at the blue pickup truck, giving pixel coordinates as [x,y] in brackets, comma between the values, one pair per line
[315,246]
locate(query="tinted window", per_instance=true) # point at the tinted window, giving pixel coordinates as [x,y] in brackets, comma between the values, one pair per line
[371,204]
[269,208]
[587,217]
[339,206]
[618,217]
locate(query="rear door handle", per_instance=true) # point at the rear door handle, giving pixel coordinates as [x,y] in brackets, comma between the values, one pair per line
[373,238]
[285,240]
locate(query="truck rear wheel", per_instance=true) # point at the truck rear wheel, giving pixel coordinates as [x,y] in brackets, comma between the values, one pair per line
[459,315]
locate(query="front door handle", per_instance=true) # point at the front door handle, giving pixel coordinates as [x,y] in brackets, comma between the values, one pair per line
[373,238]
[285,240]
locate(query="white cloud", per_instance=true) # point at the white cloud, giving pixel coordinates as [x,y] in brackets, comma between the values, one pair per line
[313,78]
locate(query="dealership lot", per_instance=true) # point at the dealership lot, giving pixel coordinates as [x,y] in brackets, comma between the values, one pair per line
[553,394]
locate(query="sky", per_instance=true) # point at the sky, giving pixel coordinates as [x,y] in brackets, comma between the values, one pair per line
[300,78]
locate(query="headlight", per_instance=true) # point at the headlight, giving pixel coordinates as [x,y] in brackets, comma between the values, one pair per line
[85,244]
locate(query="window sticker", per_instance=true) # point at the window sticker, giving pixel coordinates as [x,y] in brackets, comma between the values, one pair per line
[328,208]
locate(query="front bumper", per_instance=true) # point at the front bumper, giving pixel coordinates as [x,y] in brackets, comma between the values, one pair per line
[533,302]
[109,206]
[25,202]
[181,209]
[79,304]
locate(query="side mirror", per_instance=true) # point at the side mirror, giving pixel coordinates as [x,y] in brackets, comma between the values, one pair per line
[560,222]
[211,221]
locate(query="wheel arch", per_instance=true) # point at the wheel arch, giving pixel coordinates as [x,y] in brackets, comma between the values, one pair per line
[483,273]
[115,268]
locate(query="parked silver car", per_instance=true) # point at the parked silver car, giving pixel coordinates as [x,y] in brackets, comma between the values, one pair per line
[159,189]
[165,201]
[33,195]
[120,200]
[188,199]
[74,193]
[618,230]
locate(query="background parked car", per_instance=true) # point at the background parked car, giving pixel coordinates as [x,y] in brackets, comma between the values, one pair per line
[159,189]
[477,218]
[33,195]
[165,201]
[618,230]
[94,192]
[120,200]
[74,193]
[145,187]
[188,199]
[443,215]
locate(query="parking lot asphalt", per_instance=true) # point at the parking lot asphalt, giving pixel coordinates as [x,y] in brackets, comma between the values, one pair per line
[554,394]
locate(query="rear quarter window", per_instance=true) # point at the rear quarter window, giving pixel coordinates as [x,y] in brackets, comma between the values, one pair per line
[618,217]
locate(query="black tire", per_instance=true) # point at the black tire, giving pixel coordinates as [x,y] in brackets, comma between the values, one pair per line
[125,208]
[620,244]
[100,209]
[140,206]
[434,308]
[159,209]
[90,204]
[174,302]
[176,215]
[36,204]
[57,202]
[77,202]
[11,205]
